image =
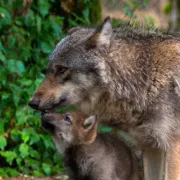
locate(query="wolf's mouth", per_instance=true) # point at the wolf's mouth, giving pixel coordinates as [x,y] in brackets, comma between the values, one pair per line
[62,102]
[61,109]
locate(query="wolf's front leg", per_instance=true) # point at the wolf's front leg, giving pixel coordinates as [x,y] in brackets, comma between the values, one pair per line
[173,162]
[154,161]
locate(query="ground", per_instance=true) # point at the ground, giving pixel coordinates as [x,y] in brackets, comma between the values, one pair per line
[57,177]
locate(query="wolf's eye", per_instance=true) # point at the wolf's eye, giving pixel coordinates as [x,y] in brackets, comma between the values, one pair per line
[61,70]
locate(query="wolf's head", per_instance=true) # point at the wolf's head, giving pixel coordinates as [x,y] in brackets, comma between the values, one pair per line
[71,128]
[73,69]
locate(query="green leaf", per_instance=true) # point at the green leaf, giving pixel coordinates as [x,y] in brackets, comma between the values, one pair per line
[20,112]
[37,82]
[20,66]
[46,168]
[1,47]
[9,155]
[32,163]
[127,11]
[37,173]
[86,15]
[146,2]
[43,7]
[1,127]
[57,158]
[35,154]
[12,172]
[102,128]
[66,108]
[3,142]
[5,96]
[15,66]
[55,25]
[19,162]
[3,173]
[34,138]
[15,135]
[18,22]
[38,24]
[47,141]
[2,57]
[46,47]
[25,136]
[26,82]
[11,40]
[23,149]
[5,17]
[29,134]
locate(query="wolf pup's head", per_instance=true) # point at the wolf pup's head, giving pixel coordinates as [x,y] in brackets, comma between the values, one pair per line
[70,128]
[73,69]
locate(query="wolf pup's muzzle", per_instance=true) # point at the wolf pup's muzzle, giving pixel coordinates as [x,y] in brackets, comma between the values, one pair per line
[46,122]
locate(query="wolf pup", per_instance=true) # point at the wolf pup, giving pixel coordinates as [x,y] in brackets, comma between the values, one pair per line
[88,155]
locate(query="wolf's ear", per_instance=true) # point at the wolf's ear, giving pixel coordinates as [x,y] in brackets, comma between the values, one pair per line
[102,35]
[89,122]
[74,29]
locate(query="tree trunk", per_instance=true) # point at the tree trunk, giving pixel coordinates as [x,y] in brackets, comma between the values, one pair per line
[174,15]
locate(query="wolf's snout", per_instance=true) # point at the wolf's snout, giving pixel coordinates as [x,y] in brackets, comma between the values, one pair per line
[34,103]
[63,100]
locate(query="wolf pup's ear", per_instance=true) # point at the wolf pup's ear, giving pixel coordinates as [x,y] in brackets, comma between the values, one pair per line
[102,35]
[89,122]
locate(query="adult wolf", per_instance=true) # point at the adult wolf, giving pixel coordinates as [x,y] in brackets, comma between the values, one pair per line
[127,76]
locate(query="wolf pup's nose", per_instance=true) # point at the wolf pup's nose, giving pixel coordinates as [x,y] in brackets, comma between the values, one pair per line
[34,103]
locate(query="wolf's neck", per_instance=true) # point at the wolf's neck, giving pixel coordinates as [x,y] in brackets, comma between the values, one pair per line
[124,77]
[125,74]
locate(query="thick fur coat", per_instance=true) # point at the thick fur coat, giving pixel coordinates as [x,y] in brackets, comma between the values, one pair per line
[127,76]
[89,155]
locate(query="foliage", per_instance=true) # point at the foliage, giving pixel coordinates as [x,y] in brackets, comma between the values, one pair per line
[128,6]
[80,12]
[167,7]
[174,10]
[28,32]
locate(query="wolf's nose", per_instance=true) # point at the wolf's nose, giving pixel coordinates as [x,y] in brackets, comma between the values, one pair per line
[34,103]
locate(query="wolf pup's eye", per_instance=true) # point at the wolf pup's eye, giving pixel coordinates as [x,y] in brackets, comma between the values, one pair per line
[68,119]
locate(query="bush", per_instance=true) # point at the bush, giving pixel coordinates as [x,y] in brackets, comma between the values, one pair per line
[28,32]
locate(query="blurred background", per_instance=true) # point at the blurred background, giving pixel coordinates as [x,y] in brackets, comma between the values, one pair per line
[29,30]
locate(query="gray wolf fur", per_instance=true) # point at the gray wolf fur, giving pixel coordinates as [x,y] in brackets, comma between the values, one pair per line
[88,155]
[127,76]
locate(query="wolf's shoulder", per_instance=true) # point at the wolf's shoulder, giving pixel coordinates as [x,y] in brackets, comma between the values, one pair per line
[140,31]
